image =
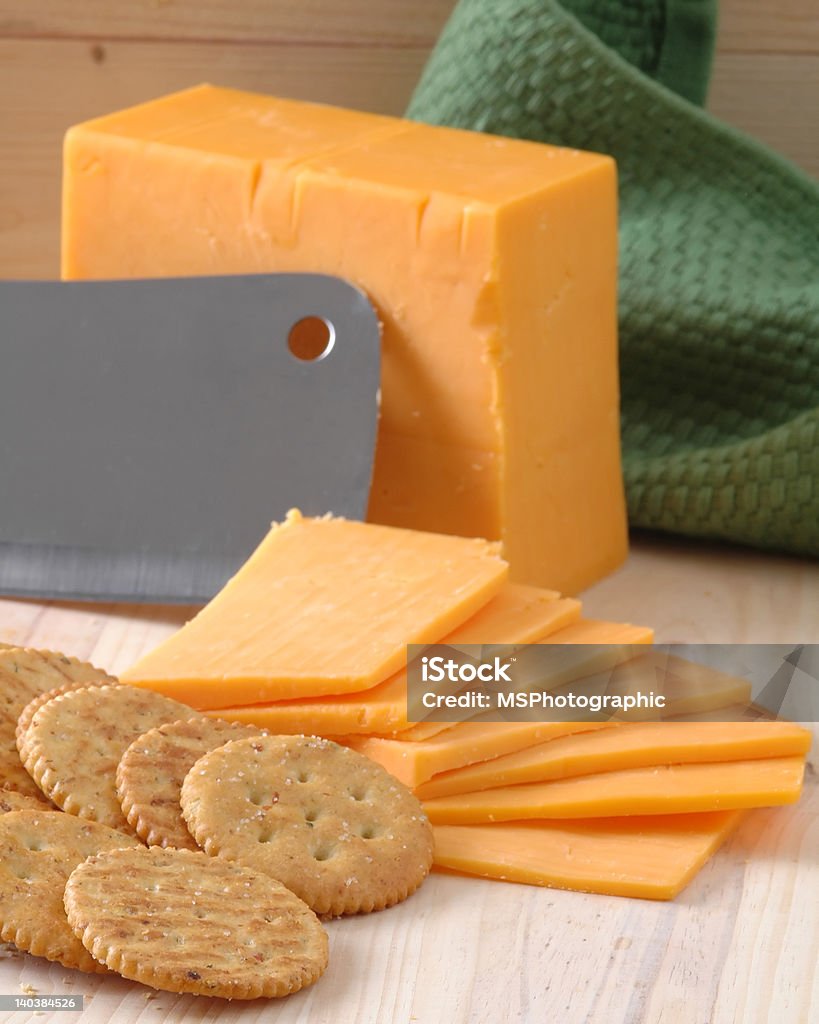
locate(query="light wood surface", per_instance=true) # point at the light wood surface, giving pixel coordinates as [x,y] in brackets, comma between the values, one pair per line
[63,62]
[739,946]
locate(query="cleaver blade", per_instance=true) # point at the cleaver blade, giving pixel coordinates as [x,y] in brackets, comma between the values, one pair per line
[151,430]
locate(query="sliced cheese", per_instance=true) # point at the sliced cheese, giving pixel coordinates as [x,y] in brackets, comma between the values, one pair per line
[517,615]
[422,731]
[652,858]
[620,641]
[492,262]
[432,747]
[322,606]
[612,634]
[667,789]
[631,746]
[414,762]
[687,686]
[745,711]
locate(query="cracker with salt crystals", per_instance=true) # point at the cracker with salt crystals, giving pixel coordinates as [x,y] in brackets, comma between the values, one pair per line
[184,922]
[74,743]
[152,769]
[38,851]
[26,673]
[329,823]
[31,709]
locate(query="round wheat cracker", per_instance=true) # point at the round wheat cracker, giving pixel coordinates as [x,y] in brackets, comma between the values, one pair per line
[38,851]
[152,769]
[329,823]
[26,673]
[74,743]
[204,926]
[33,706]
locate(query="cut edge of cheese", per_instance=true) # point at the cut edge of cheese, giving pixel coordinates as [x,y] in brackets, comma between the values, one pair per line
[414,762]
[648,858]
[641,745]
[629,641]
[324,605]
[518,614]
[663,789]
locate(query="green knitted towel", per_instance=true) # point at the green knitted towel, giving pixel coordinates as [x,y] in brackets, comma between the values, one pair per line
[719,251]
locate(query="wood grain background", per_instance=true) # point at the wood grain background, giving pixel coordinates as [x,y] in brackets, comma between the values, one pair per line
[62,61]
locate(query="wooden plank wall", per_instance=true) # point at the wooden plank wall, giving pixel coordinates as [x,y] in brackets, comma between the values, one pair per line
[62,61]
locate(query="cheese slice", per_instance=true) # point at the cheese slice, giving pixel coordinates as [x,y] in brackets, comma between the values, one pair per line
[492,262]
[619,642]
[640,745]
[322,606]
[433,747]
[414,762]
[517,615]
[687,686]
[610,634]
[652,858]
[422,731]
[667,789]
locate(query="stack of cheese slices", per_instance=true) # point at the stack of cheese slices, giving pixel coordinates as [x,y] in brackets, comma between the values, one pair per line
[311,637]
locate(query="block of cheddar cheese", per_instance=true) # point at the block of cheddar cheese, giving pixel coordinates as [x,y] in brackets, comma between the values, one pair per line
[517,615]
[651,858]
[322,606]
[491,261]
[666,789]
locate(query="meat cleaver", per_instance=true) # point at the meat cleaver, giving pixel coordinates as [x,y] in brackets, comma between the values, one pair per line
[151,430]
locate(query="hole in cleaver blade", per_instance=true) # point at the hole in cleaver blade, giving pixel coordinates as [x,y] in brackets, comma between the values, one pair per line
[151,430]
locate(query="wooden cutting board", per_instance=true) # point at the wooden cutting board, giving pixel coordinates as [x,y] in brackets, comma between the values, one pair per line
[739,946]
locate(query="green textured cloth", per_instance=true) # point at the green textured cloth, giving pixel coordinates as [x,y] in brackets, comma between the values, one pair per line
[719,251]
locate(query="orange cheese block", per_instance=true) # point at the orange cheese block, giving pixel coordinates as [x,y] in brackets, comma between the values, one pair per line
[667,789]
[517,615]
[322,606]
[414,762]
[492,262]
[652,858]
[630,746]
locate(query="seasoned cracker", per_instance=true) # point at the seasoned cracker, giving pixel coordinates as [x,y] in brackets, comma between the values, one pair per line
[74,743]
[31,709]
[152,769]
[38,851]
[329,823]
[184,922]
[10,800]
[25,674]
